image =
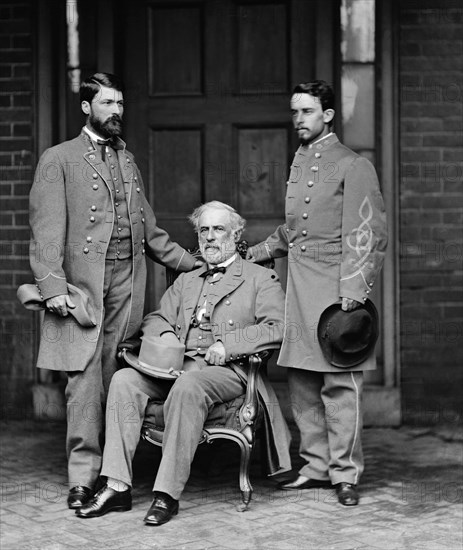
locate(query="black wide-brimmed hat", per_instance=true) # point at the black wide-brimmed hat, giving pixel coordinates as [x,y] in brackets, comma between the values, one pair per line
[347,338]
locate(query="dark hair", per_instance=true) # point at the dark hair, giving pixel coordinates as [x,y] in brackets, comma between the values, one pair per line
[320,89]
[91,85]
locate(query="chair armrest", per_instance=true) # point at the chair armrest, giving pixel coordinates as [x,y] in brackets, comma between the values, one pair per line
[250,408]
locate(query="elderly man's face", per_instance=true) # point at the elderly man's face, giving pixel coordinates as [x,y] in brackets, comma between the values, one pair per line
[217,238]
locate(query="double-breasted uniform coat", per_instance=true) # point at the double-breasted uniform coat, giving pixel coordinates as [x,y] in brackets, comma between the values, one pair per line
[245,309]
[71,217]
[335,238]
[73,204]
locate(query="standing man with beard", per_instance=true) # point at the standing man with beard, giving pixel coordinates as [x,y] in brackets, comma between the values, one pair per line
[335,238]
[91,226]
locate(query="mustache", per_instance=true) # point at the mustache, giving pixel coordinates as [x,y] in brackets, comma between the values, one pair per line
[114,118]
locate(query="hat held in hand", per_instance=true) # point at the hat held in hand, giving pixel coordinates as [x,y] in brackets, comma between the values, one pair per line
[347,338]
[158,358]
[30,297]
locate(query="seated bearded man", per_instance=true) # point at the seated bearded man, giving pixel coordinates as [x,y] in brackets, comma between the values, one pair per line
[210,311]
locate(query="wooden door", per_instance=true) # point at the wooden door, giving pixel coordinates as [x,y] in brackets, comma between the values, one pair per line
[208,88]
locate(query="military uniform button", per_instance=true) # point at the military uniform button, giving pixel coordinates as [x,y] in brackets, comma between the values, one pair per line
[119,229]
[93,208]
[90,149]
[95,187]
[138,190]
[143,251]
[92,219]
[307,199]
[141,209]
[109,155]
[371,284]
[310,183]
[91,157]
[304,232]
[303,248]
[86,250]
[227,302]
[291,245]
[127,159]
[89,239]
[179,327]
[143,241]
[200,337]
[95,176]
[115,178]
[143,220]
[135,178]
[118,190]
[368,291]
[112,165]
[117,204]
[118,240]
[119,216]
[305,215]
[287,230]
[317,155]
[231,322]
[314,168]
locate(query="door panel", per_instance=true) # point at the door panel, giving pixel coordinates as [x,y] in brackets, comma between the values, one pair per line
[210,83]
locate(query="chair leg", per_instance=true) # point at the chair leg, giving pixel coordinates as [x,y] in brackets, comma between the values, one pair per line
[245,484]
[245,460]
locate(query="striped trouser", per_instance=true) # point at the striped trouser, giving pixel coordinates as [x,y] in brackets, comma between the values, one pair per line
[327,410]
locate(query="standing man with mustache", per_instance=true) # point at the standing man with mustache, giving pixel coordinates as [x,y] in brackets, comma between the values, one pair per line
[91,226]
[335,238]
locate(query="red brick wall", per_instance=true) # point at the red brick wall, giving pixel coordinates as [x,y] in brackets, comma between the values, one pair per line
[16,160]
[431,218]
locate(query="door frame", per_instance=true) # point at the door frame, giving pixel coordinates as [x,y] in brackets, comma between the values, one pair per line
[382,403]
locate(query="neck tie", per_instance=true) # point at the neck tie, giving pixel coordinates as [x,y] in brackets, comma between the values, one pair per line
[213,270]
[104,143]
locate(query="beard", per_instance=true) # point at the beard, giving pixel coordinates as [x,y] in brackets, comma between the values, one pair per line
[215,254]
[111,127]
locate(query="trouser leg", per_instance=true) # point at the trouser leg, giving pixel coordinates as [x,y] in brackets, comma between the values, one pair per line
[86,390]
[341,394]
[309,414]
[185,412]
[129,394]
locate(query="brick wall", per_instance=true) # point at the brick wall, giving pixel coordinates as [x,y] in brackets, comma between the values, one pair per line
[431,219]
[16,160]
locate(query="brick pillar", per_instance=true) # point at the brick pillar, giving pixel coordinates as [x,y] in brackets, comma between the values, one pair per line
[431,199]
[17,326]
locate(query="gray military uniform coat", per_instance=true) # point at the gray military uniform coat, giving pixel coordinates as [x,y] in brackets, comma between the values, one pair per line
[72,217]
[335,238]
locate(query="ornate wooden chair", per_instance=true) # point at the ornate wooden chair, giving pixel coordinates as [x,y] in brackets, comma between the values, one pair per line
[238,420]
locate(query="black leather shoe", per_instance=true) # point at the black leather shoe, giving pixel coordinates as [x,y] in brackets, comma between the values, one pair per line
[106,500]
[295,485]
[347,494]
[161,510]
[78,496]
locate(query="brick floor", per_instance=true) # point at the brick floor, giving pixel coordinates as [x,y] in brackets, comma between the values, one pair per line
[411,497]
